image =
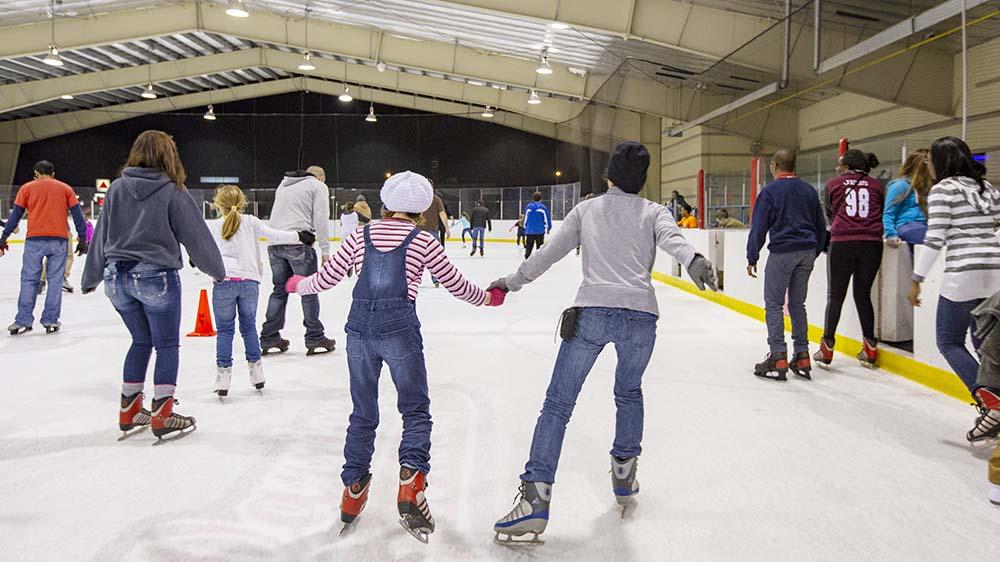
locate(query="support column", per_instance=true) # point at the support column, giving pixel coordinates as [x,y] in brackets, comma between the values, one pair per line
[8,164]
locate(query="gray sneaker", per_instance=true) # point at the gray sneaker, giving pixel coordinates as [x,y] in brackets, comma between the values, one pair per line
[529,516]
[623,481]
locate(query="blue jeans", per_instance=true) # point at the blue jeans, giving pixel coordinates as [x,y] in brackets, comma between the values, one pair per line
[293,259]
[148,298]
[36,250]
[633,333]
[228,297]
[954,321]
[787,274]
[478,234]
[386,332]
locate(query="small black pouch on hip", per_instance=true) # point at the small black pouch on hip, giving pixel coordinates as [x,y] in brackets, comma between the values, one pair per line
[567,324]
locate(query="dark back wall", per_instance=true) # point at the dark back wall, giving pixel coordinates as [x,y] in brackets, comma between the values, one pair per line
[257,140]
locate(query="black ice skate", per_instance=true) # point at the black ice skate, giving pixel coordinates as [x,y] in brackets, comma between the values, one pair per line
[801,365]
[274,346]
[481,253]
[414,513]
[168,426]
[325,345]
[623,482]
[52,328]
[530,516]
[16,329]
[473,251]
[774,367]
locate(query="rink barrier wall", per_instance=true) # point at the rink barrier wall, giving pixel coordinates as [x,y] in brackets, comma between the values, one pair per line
[932,377]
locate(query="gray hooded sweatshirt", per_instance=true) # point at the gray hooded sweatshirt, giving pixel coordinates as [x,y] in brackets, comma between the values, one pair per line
[302,202]
[146,219]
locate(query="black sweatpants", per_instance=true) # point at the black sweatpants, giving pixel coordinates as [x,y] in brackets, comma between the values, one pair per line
[860,261]
[531,241]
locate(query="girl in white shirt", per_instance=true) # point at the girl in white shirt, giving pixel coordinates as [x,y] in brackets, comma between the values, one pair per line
[238,237]
[348,221]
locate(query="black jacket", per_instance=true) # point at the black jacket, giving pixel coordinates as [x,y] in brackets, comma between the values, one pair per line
[480,218]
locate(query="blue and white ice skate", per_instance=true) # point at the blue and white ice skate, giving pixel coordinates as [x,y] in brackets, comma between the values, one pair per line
[529,516]
[623,481]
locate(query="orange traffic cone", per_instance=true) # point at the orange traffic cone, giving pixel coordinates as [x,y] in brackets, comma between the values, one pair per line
[203,323]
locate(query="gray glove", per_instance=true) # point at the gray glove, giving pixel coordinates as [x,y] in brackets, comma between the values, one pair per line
[499,284]
[702,273]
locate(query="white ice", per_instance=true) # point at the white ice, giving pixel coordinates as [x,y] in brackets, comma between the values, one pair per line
[856,465]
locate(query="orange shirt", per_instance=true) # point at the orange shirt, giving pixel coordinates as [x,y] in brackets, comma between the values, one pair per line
[47,202]
[689,222]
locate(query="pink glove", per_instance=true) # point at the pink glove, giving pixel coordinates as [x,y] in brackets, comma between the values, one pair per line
[497,296]
[292,285]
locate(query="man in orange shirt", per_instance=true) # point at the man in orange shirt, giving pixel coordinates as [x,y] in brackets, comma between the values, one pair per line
[48,200]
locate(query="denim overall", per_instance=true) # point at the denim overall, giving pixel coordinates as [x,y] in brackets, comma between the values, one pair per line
[383,327]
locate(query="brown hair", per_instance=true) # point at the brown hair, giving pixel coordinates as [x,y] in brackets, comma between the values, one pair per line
[417,218]
[230,201]
[156,149]
[915,170]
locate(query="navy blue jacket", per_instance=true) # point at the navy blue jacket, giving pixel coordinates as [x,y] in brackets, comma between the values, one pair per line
[146,219]
[789,213]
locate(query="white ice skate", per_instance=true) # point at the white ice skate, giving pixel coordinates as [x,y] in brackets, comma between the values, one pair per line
[994,494]
[623,481]
[223,376]
[530,516]
[257,375]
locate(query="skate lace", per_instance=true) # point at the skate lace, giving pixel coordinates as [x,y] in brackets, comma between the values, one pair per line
[520,493]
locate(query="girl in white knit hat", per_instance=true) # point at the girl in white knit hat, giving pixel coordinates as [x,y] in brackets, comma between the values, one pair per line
[390,257]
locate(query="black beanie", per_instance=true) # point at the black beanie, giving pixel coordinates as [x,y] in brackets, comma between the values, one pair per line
[628,165]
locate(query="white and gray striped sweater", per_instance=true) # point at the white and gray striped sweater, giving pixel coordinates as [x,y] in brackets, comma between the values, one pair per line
[964,221]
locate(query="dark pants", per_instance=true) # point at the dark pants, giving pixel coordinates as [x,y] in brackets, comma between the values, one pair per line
[633,334]
[532,241]
[228,299]
[148,299]
[787,274]
[288,260]
[954,323]
[860,261]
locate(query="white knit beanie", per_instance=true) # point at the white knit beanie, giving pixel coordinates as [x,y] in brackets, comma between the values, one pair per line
[407,192]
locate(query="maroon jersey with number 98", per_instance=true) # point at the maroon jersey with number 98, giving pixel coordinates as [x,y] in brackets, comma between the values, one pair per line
[854,204]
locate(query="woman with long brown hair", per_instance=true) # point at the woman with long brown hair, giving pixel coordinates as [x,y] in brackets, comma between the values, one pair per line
[905,215]
[147,215]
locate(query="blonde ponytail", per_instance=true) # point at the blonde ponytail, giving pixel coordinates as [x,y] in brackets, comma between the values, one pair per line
[230,202]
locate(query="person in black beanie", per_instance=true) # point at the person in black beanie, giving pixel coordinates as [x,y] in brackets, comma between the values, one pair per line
[616,304]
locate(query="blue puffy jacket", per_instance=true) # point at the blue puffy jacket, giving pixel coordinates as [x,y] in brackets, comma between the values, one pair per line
[899,211]
[537,218]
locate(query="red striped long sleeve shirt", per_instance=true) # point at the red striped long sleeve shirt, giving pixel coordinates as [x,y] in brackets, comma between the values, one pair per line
[425,252]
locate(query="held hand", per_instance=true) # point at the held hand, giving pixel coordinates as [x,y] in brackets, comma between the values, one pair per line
[307,238]
[499,284]
[702,273]
[915,294]
[82,247]
[292,285]
[893,242]
[495,296]
[752,271]
[324,259]
[3,246]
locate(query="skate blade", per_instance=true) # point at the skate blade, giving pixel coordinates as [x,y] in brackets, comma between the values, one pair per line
[273,350]
[19,332]
[804,376]
[510,541]
[174,436]
[769,377]
[869,366]
[419,533]
[318,351]
[132,432]
[983,442]
[825,366]
[346,529]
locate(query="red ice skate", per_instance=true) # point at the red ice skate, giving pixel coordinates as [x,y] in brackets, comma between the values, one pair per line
[167,425]
[868,356]
[132,418]
[824,357]
[414,513]
[353,502]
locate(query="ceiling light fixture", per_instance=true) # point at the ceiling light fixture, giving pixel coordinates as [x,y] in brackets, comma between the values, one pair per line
[487,113]
[346,96]
[53,58]
[236,9]
[371,114]
[380,66]
[149,93]
[577,71]
[544,68]
[66,97]
[476,83]
[533,99]
[559,25]
[306,63]
[210,114]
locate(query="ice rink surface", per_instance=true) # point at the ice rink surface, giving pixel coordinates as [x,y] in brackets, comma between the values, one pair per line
[856,465]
